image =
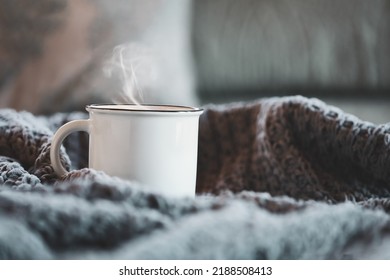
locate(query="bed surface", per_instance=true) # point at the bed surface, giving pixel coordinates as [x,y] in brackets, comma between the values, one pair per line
[278,178]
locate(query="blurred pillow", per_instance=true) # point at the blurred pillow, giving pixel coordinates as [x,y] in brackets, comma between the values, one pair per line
[53,52]
[281,46]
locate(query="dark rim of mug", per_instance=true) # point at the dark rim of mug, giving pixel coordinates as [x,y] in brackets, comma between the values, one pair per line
[184,108]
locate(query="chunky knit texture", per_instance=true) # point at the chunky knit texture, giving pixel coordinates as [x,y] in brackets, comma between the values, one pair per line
[278,178]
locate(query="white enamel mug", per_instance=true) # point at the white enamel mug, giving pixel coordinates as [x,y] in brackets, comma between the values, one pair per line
[155,145]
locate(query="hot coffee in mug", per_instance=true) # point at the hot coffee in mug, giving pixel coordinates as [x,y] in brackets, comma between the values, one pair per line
[156,145]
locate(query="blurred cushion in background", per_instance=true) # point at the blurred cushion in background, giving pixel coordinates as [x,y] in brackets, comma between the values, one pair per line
[323,48]
[52,52]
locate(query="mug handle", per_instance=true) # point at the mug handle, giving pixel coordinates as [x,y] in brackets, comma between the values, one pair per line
[58,138]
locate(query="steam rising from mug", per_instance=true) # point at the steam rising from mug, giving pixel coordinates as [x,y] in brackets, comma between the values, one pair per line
[134,65]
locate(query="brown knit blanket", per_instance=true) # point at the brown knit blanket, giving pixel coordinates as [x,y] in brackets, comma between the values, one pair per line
[279,178]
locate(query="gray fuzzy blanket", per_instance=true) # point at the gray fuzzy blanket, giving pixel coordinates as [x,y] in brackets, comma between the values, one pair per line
[279,178]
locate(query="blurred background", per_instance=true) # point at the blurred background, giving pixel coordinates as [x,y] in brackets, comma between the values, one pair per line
[336,50]
[53,53]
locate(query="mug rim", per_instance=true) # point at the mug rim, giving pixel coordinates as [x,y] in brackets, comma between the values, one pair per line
[184,109]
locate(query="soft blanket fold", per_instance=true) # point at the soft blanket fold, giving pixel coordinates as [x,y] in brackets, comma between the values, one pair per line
[278,178]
